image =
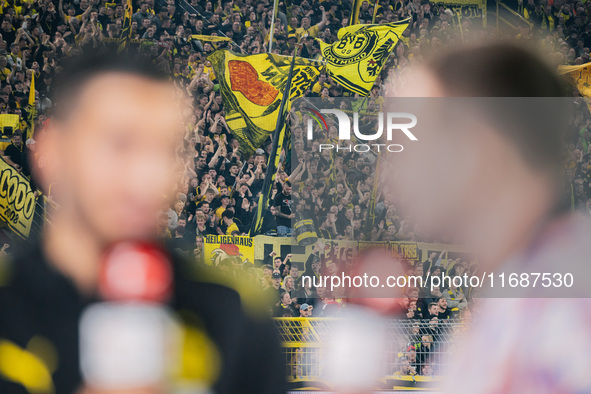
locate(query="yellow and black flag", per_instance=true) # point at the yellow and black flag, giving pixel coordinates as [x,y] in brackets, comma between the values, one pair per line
[32,109]
[280,135]
[356,59]
[252,88]
[125,27]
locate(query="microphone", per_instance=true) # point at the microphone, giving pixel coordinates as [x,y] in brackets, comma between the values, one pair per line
[128,341]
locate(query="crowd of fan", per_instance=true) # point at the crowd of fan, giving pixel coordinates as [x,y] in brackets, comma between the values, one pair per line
[427,318]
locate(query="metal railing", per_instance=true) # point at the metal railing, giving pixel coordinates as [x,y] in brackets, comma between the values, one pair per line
[416,351]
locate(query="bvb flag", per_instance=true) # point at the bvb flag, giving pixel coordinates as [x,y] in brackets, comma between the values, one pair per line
[252,88]
[357,58]
[126,27]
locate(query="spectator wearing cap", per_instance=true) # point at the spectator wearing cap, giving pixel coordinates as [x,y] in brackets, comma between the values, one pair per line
[275,289]
[306,310]
[27,156]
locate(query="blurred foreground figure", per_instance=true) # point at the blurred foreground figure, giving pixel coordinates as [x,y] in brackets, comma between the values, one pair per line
[496,186]
[136,319]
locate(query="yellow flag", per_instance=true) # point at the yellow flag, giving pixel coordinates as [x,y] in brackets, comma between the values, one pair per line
[252,88]
[32,90]
[209,38]
[580,76]
[32,110]
[356,59]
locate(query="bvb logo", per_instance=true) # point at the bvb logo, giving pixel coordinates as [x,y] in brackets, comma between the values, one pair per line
[352,48]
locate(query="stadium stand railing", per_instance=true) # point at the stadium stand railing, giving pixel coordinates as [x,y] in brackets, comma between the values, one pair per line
[417,351]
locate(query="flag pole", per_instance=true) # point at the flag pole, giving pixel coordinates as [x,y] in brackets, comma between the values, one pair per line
[271,167]
[375,11]
[272,26]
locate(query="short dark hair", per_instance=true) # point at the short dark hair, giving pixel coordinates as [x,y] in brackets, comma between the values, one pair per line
[506,70]
[497,69]
[78,70]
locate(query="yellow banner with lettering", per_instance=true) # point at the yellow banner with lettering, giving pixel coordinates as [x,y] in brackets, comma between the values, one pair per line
[17,200]
[220,250]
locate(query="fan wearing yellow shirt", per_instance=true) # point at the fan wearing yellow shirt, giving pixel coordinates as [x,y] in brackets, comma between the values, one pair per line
[228,218]
[4,70]
[225,201]
[71,12]
[311,31]
[321,84]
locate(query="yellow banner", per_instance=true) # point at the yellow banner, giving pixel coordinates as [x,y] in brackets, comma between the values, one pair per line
[17,200]
[228,249]
[356,59]
[252,88]
[10,120]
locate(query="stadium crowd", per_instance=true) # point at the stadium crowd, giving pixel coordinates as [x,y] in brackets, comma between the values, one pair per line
[220,188]
[219,195]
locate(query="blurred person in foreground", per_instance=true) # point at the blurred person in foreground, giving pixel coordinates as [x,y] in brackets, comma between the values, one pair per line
[498,189]
[110,150]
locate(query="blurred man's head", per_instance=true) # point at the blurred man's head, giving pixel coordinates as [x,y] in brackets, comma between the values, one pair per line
[491,162]
[112,143]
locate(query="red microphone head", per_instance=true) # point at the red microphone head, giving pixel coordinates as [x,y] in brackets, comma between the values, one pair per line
[135,271]
[378,265]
